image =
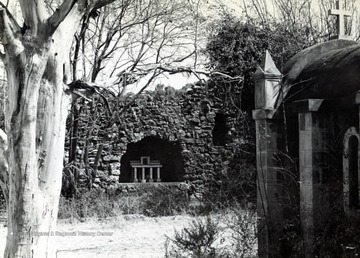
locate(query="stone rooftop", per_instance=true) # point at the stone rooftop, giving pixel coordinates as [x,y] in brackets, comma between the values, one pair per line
[326,70]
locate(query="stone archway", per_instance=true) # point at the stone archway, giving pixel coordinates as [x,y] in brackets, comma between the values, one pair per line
[351,171]
[167,152]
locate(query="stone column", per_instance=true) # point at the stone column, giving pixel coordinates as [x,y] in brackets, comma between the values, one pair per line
[268,145]
[151,175]
[158,179]
[143,179]
[135,175]
[314,168]
[269,187]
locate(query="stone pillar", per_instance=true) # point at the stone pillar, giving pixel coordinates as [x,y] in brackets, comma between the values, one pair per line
[151,175]
[269,187]
[268,144]
[143,179]
[314,169]
[158,179]
[135,175]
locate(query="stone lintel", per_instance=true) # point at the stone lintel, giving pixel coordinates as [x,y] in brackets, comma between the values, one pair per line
[308,105]
[323,105]
[259,114]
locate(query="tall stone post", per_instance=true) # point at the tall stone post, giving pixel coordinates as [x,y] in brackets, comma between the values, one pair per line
[268,145]
[314,169]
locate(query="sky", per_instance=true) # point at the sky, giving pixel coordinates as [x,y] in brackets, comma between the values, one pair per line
[235,6]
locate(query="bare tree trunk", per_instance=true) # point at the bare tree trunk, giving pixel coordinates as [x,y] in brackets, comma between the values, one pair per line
[36,110]
[37,103]
[38,97]
[4,172]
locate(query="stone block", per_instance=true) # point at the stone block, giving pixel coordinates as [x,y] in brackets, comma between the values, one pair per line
[113,178]
[102,174]
[181,133]
[111,158]
[115,172]
[189,140]
[138,136]
[115,165]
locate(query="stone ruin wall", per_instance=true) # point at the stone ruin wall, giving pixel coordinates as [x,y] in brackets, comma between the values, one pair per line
[187,117]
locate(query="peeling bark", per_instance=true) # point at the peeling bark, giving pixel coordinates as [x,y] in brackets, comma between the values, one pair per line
[4,173]
[37,105]
[36,110]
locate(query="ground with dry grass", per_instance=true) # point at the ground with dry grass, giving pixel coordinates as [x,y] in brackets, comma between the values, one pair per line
[125,236]
[128,236]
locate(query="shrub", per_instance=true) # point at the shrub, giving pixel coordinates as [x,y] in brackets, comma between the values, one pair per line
[243,227]
[196,241]
[232,234]
[340,237]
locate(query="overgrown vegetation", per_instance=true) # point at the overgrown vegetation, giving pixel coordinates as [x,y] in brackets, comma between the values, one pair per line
[231,183]
[148,200]
[236,48]
[197,240]
[232,234]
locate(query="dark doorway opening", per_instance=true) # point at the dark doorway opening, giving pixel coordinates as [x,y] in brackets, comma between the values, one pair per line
[353,173]
[220,130]
[167,152]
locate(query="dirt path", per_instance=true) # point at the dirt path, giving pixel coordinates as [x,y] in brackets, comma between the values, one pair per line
[129,237]
[133,236]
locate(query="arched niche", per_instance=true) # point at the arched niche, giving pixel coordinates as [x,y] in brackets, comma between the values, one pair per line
[220,130]
[351,171]
[168,153]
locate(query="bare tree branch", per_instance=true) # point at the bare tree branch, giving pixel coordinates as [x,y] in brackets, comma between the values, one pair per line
[11,17]
[34,14]
[174,70]
[60,14]
[9,37]
[100,3]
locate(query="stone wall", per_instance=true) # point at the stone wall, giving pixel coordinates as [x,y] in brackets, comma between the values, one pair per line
[185,118]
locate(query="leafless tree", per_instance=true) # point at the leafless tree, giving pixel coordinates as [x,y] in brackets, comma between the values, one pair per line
[35,55]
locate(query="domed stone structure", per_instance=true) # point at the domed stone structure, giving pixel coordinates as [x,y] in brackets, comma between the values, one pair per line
[307,122]
[327,70]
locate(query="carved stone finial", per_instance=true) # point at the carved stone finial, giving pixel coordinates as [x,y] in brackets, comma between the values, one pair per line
[267,83]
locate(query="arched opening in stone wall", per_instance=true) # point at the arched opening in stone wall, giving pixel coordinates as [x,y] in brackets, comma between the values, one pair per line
[353,173]
[220,130]
[168,153]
